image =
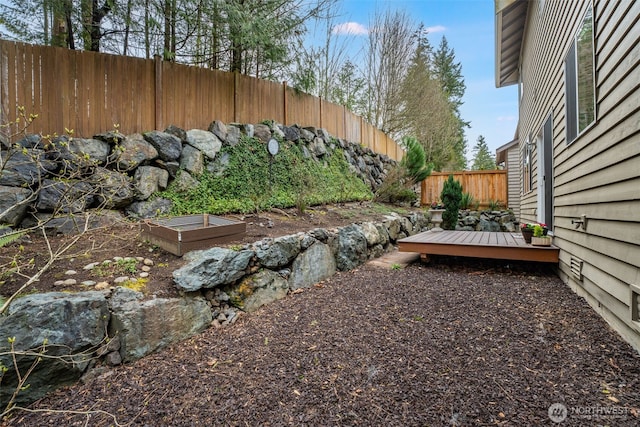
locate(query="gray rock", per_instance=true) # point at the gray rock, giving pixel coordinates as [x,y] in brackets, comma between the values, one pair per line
[392,224]
[192,160]
[211,268]
[149,208]
[352,248]
[12,208]
[307,135]
[219,129]
[148,180]
[96,150]
[147,326]
[278,252]
[207,142]
[69,324]
[257,290]
[312,266]
[31,141]
[20,169]
[484,225]
[176,131]
[262,132]
[184,182]
[233,136]
[318,147]
[371,233]
[113,189]
[248,129]
[376,251]
[169,146]
[111,137]
[132,152]
[67,196]
[291,133]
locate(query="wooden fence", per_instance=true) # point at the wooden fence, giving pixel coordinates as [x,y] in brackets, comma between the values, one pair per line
[484,186]
[91,92]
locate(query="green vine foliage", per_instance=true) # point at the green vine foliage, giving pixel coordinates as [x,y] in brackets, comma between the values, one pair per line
[254,181]
[451,196]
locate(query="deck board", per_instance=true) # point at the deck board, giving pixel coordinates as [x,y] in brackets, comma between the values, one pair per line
[477,244]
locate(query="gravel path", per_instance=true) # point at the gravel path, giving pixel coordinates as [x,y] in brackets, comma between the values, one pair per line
[450,343]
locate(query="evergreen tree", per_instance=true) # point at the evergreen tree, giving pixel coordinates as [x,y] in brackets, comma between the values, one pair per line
[482,158]
[451,196]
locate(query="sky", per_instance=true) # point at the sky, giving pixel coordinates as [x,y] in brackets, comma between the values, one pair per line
[469,28]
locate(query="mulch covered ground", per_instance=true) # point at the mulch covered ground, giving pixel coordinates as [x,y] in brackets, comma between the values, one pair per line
[455,342]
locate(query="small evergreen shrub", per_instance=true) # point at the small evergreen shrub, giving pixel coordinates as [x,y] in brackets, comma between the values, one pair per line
[451,196]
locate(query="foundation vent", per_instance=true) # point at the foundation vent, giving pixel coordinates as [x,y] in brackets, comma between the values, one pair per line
[576,268]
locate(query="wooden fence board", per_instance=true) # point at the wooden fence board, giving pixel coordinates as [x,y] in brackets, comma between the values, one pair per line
[484,186]
[91,92]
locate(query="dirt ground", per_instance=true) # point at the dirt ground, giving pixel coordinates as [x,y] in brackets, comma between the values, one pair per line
[124,240]
[454,342]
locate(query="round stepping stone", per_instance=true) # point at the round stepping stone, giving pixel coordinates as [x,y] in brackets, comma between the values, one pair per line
[70,272]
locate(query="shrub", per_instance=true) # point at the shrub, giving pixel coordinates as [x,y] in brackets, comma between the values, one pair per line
[468,202]
[451,196]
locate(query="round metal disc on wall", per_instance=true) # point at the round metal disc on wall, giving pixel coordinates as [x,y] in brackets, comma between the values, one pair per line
[273,146]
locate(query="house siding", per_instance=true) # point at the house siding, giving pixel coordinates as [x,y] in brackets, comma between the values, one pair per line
[597,175]
[512,164]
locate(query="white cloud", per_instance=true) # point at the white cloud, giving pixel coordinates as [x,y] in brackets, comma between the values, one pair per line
[435,29]
[350,28]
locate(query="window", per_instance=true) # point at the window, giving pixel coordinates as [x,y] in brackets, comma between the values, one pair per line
[527,182]
[580,80]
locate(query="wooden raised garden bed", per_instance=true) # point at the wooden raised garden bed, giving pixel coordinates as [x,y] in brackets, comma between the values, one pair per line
[182,234]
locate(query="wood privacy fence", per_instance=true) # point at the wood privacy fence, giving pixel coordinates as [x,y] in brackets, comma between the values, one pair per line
[484,186]
[91,92]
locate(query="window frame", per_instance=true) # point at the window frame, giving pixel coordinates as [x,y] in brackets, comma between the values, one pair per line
[572,82]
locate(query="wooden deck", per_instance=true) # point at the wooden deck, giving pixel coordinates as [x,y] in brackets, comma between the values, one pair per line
[477,244]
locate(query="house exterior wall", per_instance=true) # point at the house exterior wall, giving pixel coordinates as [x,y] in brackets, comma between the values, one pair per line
[598,174]
[512,164]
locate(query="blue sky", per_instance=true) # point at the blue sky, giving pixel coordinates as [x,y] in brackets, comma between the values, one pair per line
[468,26]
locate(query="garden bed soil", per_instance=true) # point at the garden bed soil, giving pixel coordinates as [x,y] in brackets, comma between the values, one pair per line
[454,342]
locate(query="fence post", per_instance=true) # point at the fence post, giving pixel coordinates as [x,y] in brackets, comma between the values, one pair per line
[158,92]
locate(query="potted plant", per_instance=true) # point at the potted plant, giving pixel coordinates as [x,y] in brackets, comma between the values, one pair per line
[540,238]
[436,215]
[527,229]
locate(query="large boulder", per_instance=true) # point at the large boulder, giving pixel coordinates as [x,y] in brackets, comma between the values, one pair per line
[371,233]
[205,141]
[13,204]
[113,189]
[147,326]
[212,267]
[150,208]
[262,132]
[132,152]
[169,146]
[184,182]
[257,290]
[68,196]
[312,266]
[97,151]
[351,248]
[278,252]
[24,168]
[71,326]
[192,160]
[148,180]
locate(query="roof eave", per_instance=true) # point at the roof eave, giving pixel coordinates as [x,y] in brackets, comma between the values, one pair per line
[509,33]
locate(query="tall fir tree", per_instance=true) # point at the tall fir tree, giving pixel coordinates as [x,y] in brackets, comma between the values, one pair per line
[482,158]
